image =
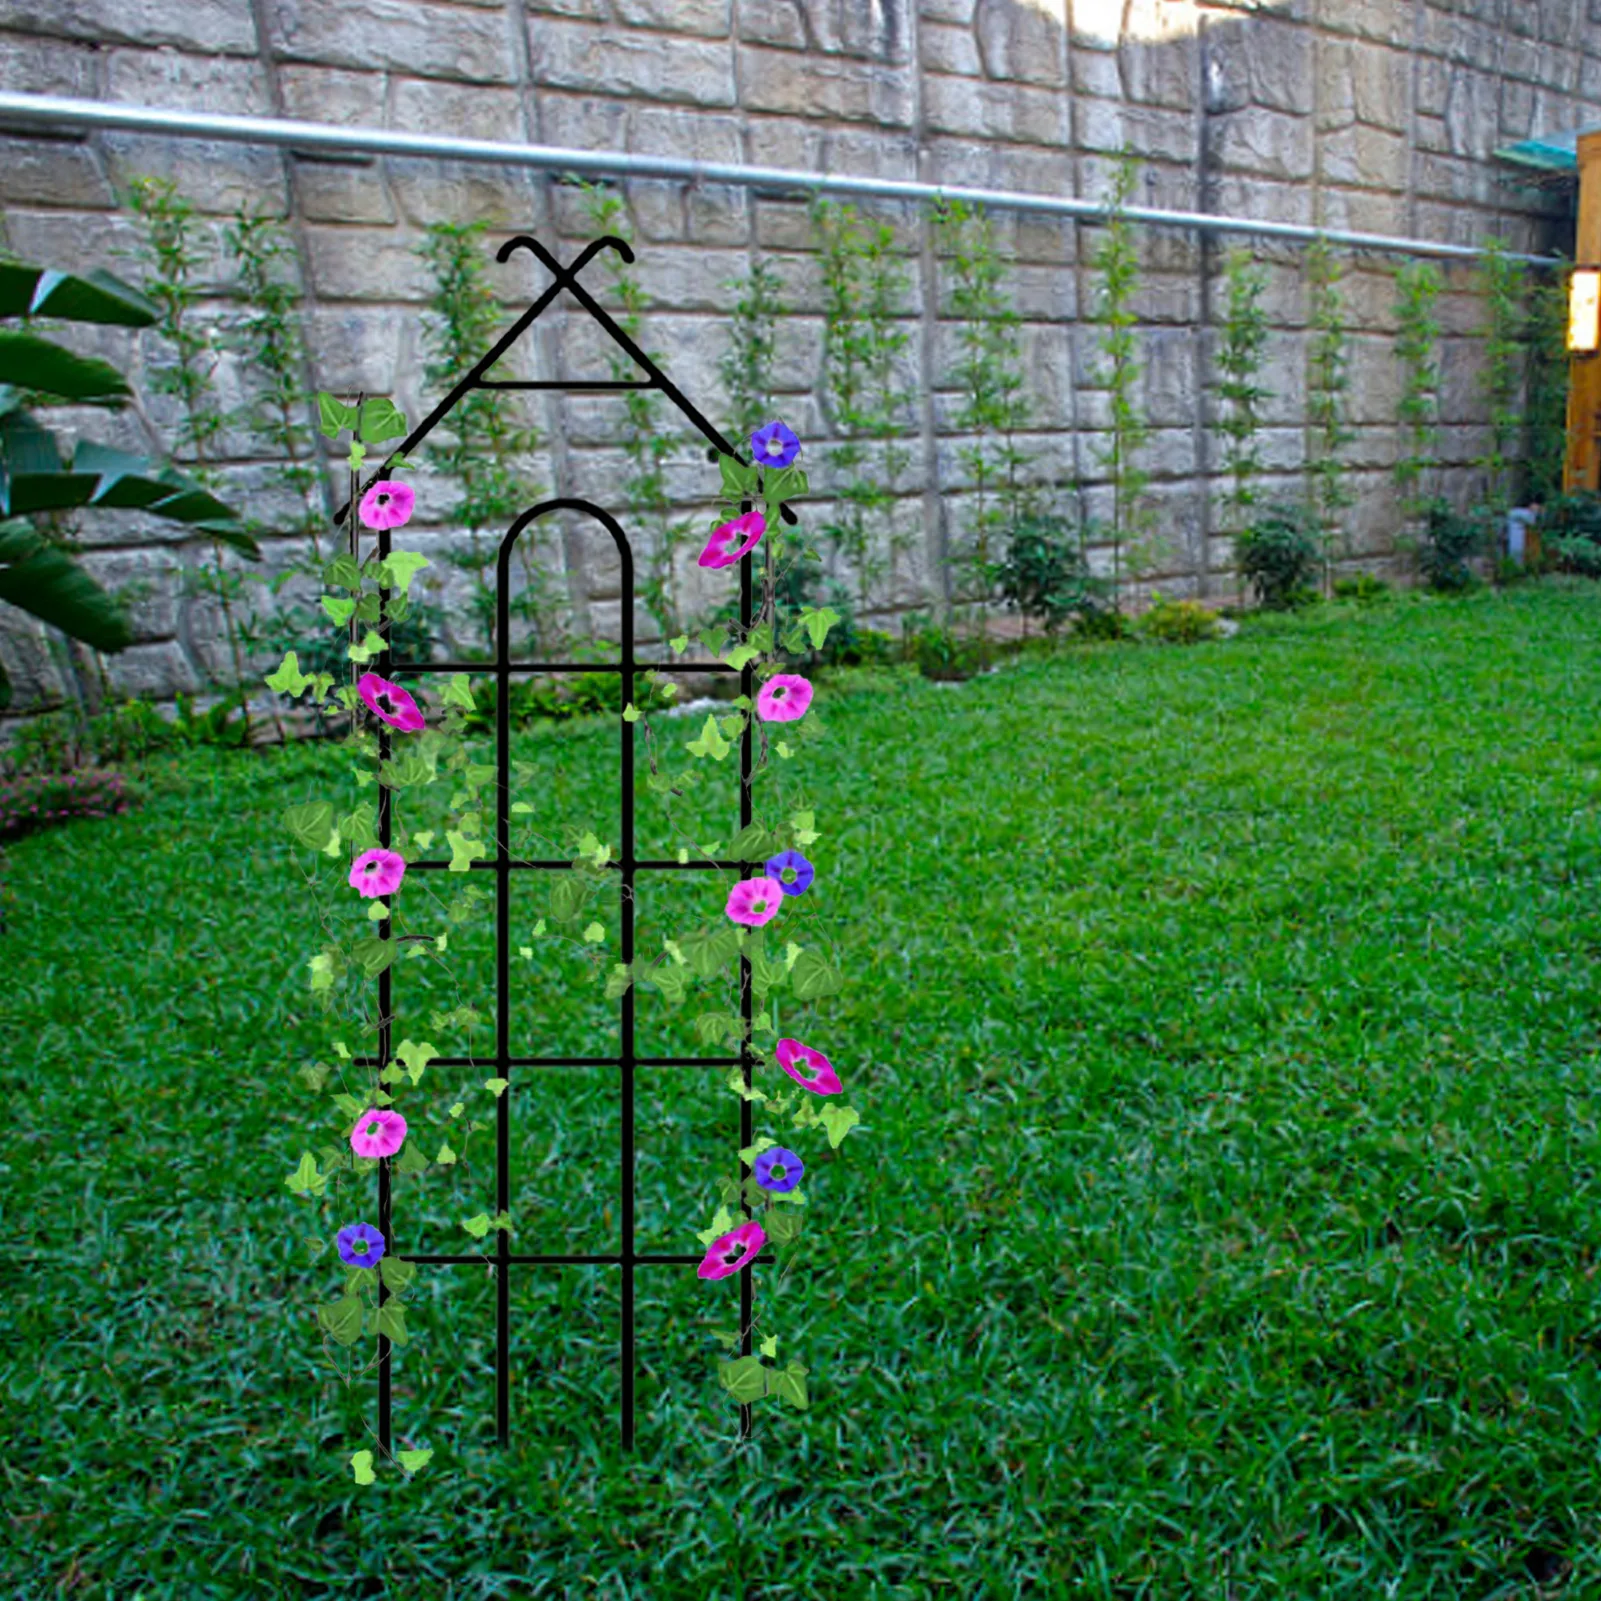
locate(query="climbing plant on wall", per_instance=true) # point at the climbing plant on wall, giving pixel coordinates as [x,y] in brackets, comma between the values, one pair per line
[1417,348]
[1545,417]
[1327,380]
[1503,285]
[863,285]
[1239,361]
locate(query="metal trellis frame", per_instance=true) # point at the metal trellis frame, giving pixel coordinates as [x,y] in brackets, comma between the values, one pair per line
[628,864]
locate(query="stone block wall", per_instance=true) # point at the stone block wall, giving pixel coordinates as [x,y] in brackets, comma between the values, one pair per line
[1379,115]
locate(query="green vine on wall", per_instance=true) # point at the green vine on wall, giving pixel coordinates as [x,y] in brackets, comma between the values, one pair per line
[1417,343]
[1327,430]
[1239,359]
[747,365]
[646,442]
[995,408]
[1545,417]
[862,289]
[484,438]
[1504,285]
[1117,260]
[172,258]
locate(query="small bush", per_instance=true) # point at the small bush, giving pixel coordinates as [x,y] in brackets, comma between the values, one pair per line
[1449,539]
[1279,555]
[1045,575]
[38,800]
[1179,622]
[1570,534]
[573,695]
[939,651]
[1364,589]
[1101,622]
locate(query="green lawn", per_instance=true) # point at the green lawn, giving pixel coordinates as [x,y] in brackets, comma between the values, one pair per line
[1223,1222]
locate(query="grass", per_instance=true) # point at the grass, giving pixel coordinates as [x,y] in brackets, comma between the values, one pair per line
[1223,1222]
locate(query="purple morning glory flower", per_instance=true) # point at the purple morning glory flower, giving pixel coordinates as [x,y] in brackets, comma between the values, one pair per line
[799,871]
[774,446]
[779,1170]
[360,1245]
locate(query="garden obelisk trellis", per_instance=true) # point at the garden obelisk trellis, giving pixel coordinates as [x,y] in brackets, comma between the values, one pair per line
[503,866]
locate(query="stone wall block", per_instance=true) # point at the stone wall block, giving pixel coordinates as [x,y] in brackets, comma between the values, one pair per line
[1364,158]
[708,19]
[871,30]
[781,23]
[465,111]
[994,111]
[53,172]
[215,178]
[608,61]
[1163,72]
[1023,43]
[949,49]
[342,192]
[824,86]
[402,35]
[1279,63]
[221,27]
[156,671]
[1266,143]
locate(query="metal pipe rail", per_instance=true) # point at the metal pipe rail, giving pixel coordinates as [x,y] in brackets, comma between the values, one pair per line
[46,111]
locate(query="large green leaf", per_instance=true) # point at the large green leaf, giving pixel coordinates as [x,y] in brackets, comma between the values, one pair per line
[30,362]
[41,580]
[96,297]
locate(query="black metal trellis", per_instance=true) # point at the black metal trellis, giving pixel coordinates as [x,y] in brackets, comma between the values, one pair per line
[628,864]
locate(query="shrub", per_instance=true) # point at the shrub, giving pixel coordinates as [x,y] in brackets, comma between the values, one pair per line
[1179,622]
[1098,622]
[1364,589]
[1570,533]
[1279,553]
[572,695]
[37,800]
[1046,576]
[1449,538]
[939,651]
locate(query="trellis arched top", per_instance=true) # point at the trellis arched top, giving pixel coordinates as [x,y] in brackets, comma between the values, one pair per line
[564,278]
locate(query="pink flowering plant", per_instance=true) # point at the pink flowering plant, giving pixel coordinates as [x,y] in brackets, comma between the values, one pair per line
[379,914]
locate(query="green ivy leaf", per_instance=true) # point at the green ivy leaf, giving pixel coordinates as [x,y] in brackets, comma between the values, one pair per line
[311,824]
[396,1273]
[414,1058]
[710,743]
[593,934]
[728,1340]
[496,1086]
[751,844]
[334,416]
[679,645]
[788,483]
[838,1120]
[306,1177]
[712,1028]
[402,771]
[567,895]
[361,1462]
[744,1378]
[377,912]
[288,679]
[708,954]
[740,654]
[342,1320]
[817,621]
[411,1160]
[630,713]
[392,1321]
[457,693]
[399,568]
[339,608]
[814,978]
[781,1226]
[357,827]
[747,1156]
[411,1461]
[373,955]
[464,851]
[721,1224]
[381,419]
[672,984]
[478,1226]
[315,1075]
[619,981]
[343,573]
[367,649]
[790,1383]
[446,1156]
[769,1346]
[802,823]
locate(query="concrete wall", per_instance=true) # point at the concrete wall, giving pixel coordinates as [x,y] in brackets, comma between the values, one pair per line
[1370,114]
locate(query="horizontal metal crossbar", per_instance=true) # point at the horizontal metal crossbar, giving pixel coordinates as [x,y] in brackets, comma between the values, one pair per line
[563,1061]
[613,1260]
[616,867]
[491,669]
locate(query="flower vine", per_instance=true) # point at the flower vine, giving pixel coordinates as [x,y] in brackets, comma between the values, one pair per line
[371,595]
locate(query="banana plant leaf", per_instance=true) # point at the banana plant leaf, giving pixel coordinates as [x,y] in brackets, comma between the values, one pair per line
[96,297]
[43,581]
[31,363]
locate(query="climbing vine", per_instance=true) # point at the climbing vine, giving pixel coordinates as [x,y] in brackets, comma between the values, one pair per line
[1417,344]
[1327,430]
[1239,360]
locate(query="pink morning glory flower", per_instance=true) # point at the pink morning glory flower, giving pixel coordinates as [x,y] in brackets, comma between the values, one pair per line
[774,446]
[807,1067]
[377,872]
[783,698]
[360,1245]
[388,504]
[730,1253]
[755,901]
[389,703]
[733,540]
[378,1133]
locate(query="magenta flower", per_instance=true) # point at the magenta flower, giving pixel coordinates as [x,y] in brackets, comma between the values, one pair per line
[783,698]
[755,901]
[377,872]
[389,703]
[360,1245]
[733,540]
[816,1075]
[730,1253]
[378,1133]
[388,504]
[774,446]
